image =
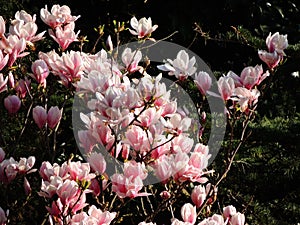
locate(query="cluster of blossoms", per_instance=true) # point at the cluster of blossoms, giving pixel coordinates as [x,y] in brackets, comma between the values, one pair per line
[11,170]
[62,24]
[135,120]
[66,187]
[276,44]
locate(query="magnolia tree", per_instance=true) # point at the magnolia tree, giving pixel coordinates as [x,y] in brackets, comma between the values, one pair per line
[141,136]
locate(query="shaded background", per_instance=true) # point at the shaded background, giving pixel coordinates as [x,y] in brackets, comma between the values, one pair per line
[265,177]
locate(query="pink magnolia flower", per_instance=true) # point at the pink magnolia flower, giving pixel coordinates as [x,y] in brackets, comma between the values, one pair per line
[251,76]
[246,98]
[97,162]
[2,155]
[64,36]
[163,168]
[68,192]
[39,116]
[49,188]
[2,26]
[142,28]
[101,217]
[72,65]
[182,143]
[131,59]
[198,195]
[237,80]
[181,67]
[8,170]
[131,182]
[40,71]
[80,171]
[3,83]
[14,46]
[3,60]
[53,117]
[135,169]
[59,15]
[214,220]
[22,86]
[277,42]
[237,219]
[24,26]
[229,211]
[203,82]
[3,217]
[87,141]
[24,16]
[47,171]
[188,213]
[177,124]
[12,104]
[272,59]
[25,165]
[137,138]
[226,87]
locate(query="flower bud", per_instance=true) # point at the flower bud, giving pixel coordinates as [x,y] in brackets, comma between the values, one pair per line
[12,104]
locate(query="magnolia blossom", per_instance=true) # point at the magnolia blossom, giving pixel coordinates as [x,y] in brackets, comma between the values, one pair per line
[188,213]
[131,182]
[94,216]
[199,193]
[277,42]
[3,82]
[142,28]
[12,104]
[39,116]
[238,219]
[24,26]
[54,116]
[203,82]
[216,219]
[97,162]
[272,59]
[246,98]
[64,36]
[251,76]
[181,67]
[229,211]
[131,59]
[226,87]
[58,16]
[22,87]
[14,46]
[163,167]
[40,71]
